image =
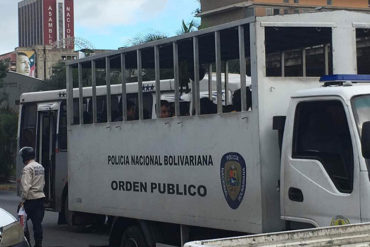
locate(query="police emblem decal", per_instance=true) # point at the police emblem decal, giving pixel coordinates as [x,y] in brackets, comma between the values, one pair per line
[339,220]
[233,178]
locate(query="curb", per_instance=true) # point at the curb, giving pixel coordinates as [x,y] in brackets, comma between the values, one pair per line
[8,187]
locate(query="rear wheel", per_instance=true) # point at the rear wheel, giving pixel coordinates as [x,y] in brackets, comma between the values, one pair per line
[133,237]
[68,215]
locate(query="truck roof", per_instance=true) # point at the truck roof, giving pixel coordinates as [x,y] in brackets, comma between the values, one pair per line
[346,91]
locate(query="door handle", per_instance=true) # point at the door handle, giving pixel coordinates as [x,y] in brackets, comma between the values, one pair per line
[295,194]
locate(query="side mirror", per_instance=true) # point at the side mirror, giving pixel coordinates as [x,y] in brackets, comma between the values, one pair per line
[365,140]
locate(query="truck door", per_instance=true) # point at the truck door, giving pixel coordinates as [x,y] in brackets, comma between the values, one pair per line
[320,171]
[46,144]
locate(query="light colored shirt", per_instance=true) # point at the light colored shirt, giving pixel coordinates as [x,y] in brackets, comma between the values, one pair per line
[33,181]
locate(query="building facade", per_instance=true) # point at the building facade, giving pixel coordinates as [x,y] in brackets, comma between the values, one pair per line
[11,59]
[46,22]
[215,12]
[41,60]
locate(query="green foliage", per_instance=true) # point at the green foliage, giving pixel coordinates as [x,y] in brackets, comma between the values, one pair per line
[141,39]
[8,141]
[57,80]
[3,71]
[189,27]
[8,131]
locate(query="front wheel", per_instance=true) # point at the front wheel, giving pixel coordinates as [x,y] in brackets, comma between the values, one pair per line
[133,237]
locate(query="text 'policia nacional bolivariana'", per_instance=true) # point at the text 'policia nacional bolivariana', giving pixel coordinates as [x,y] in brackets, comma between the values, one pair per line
[160,160]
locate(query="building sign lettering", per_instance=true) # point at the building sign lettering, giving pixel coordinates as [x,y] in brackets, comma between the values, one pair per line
[68,23]
[50,32]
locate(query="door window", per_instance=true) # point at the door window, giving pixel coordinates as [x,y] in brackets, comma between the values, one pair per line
[62,137]
[28,125]
[321,132]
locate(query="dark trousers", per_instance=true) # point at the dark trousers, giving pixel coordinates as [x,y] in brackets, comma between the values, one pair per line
[35,212]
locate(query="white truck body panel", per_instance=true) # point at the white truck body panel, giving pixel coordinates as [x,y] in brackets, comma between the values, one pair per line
[94,169]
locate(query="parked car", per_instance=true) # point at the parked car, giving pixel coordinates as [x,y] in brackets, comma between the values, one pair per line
[11,231]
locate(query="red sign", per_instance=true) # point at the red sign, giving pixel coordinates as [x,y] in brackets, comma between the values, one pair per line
[69,23]
[50,23]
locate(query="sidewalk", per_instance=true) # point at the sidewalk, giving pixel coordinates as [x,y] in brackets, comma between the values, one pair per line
[8,187]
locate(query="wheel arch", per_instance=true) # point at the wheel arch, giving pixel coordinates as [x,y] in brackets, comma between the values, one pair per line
[120,224]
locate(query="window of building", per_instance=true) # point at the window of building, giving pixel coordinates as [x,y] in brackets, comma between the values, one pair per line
[276,11]
[296,1]
[269,11]
[321,133]
[250,12]
[286,1]
[286,11]
[329,2]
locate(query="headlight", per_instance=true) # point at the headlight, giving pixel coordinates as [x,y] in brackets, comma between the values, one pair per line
[11,234]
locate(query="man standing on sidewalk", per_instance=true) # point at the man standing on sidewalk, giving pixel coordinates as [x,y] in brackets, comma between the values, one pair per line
[32,186]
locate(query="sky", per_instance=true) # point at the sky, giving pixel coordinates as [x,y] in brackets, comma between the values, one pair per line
[109,24]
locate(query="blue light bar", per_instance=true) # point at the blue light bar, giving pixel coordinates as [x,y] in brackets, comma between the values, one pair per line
[345,77]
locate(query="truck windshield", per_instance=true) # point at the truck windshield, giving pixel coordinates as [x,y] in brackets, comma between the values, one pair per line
[361,110]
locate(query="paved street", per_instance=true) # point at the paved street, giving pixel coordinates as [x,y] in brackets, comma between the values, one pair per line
[54,234]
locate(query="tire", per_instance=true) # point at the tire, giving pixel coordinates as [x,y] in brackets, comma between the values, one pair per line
[68,215]
[133,237]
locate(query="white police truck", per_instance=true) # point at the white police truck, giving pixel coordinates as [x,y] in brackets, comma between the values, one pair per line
[285,152]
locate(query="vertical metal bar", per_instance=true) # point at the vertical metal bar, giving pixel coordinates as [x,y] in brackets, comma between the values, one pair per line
[282,64]
[107,80]
[210,82]
[326,58]
[93,84]
[176,76]
[80,94]
[304,63]
[196,75]
[40,137]
[218,71]
[69,95]
[157,68]
[140,84]
[123,81]
[243,69]
[226,82]
[257,51]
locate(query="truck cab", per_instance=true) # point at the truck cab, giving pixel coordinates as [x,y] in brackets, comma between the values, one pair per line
[324,174]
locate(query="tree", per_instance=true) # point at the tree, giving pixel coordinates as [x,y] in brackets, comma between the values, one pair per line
[187,28]
[57,79]
[141,39]
[8,131]
[3,71]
